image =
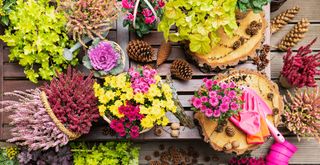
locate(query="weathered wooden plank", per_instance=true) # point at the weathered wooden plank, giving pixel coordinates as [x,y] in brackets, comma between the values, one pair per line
[309,36]
[1,87]
[308,9]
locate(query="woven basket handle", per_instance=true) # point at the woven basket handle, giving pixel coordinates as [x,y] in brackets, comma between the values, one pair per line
[136,10]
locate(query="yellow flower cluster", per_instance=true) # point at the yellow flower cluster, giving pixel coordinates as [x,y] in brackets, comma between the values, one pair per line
[11,152]
[154,104]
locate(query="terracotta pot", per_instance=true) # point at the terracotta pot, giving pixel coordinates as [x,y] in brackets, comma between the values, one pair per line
[276,4]
[284,82]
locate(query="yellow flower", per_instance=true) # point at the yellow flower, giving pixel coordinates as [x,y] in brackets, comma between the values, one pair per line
[165,121]
[156,103]
[121,80]
[107,80]
[99,92]
[110,94]
[147,122]
[118,93]
[115,111]
[96,86]
[144,110]
[154,91]
[139,98]
[157,78]
[102,109]
[166,88]
[129,94]
[104,99]
[171,106]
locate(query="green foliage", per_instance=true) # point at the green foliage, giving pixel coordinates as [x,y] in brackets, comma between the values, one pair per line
[198,22]
[8,156]
[5,8]
[110,153]
[255,5]
[37,37]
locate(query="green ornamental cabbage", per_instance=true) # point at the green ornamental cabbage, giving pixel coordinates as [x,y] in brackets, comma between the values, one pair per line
[198,21]
[37,37]
[255,5]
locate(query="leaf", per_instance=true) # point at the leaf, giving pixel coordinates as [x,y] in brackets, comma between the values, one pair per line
[86,62]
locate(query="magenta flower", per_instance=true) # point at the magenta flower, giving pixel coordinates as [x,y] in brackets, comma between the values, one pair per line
[209,113]
[146,73]
[150,20]
[127,5]
[122,134]
[216,113]
[146,12]
[224,107]
[226,99]
[213,101]
[234,106]
[232,84]
[223,85]
[197,103]
[134,134]
[212,94]
[204,99]
[215,82]
[130,17]
[205,80]
[103,57]
[161,3]
[203,108]
[232,94]
[209,84]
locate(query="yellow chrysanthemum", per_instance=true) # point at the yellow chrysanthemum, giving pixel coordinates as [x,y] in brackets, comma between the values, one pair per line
[154,91]
[99,92]
[166,88]
[144,110]
[147,122]
[139,98]
[157,78]
[104,99]
[171,106]
[102,109]
[110,94]
[165,121]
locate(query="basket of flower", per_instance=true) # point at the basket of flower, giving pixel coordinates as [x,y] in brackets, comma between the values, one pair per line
[134,101]
[142,15]
[238,110]
[105,57]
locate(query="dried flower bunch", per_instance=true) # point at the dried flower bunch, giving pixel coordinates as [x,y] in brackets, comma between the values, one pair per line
[217,100]
[146,20]
[134,102]
[49,157]
[33,127]
[104,57]
[90,18]
[300,69]
[302,113]
[72,100]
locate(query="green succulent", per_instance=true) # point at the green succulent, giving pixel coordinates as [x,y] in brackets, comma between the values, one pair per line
[37,37]
[110,153]
[255,5]
[198,22]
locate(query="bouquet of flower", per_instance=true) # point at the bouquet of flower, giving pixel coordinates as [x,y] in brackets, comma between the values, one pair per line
[142,18]
[217,100]
[134,101]
[105,57]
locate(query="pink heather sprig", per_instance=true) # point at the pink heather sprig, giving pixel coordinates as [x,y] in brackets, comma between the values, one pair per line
[128,126]
[103,57]
[246,161]
[218,100]
[301,69]
[142,78]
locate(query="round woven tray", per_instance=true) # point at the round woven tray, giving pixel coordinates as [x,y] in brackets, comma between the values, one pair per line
[62,128]
[264,87]
[109,121]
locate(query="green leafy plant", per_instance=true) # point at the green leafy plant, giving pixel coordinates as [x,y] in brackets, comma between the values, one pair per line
[8,156]
[5,8]
[110,153]
[198,22]
[37,37]
[255,5]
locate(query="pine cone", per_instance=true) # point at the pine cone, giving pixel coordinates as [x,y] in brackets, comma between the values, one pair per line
[253,28]
[163,53]
[230,131]
[282,19]
[181,69]
[140,51]
[294,35]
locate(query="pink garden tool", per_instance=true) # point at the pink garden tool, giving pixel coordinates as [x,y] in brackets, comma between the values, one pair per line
[280,153]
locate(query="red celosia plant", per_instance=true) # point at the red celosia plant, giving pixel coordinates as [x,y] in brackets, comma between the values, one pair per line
[72,100]
[33,127]
[246,161]
[300,69]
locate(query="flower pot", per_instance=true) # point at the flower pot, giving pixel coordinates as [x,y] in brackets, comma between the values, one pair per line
[284,82]
[276,4]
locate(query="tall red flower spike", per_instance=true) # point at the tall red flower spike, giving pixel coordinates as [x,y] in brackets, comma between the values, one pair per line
[72,100]
[300,69]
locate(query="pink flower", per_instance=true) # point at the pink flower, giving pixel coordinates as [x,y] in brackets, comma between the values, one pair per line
[212,94]
[126,4]
[161,3]
[232,84]
[150,20]
[134,134]
[122,134]
[203,108]
[197,103]
[204,99]
[213,101]
[209,113]
[130,17]
[209,84]
[232,94]
[224,107]
[223,85]
[146,12]
[146,73]
[216,113]
[134,128]
[234,106]
[205,80]
[215,82]
[226,99]
[137,90]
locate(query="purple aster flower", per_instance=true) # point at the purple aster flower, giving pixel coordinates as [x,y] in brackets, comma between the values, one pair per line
[103,57]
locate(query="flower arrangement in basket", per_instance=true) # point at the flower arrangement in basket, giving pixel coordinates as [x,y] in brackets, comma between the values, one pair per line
[52,115]
[133,102]
[142,15]
[105,57]
[217,100]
